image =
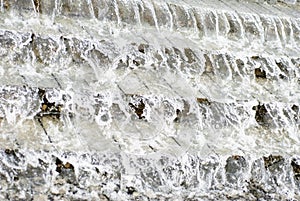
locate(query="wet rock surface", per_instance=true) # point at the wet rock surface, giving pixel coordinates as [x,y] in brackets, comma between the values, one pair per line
[107,176]
[149,100]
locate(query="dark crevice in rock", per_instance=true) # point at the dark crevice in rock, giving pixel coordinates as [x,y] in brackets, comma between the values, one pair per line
[59,165]
[261,115]
[135,62]
[259,73]
[203,101]
[272,161]
[190,55]
[104,197]
[130,190]
[296,168]
[37,5]
[6,4]
[142,48]
[12,157]
[178,115]
[257,190]
[10,152]
[66,171]
[255,57]
[138,107]
[208,64]
[295,108]
[48,108]
[284,72]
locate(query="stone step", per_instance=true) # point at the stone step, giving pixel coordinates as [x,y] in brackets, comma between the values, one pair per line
[112,119]
[114,176]
[247,23]
[24,102]
[71,62]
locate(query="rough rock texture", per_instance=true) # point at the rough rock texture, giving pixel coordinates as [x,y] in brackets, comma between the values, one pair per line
[149,100]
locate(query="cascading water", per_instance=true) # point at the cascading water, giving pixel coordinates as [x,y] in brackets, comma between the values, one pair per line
[149,100]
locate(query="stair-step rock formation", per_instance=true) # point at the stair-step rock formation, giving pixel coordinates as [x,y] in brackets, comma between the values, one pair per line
[149,100]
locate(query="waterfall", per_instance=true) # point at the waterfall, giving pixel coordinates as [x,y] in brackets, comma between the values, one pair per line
[147,100]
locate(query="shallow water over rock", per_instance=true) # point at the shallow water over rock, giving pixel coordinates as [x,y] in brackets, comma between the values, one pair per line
[160,100]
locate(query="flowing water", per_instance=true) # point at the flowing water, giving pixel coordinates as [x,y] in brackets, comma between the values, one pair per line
[149,100]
